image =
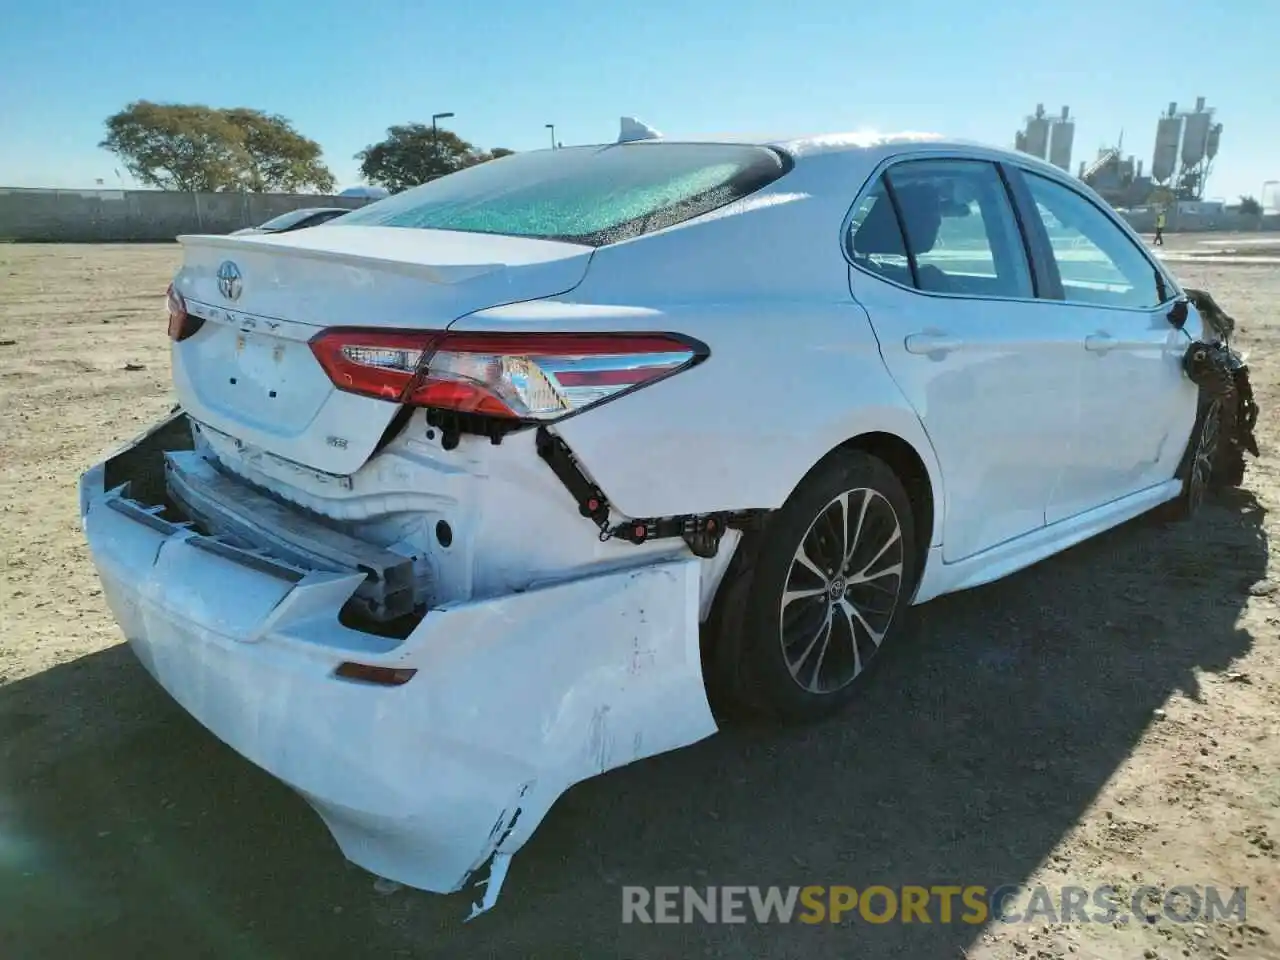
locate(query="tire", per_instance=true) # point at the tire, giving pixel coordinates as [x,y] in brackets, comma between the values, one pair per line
[808,664]
[1206,458]
[1229,468]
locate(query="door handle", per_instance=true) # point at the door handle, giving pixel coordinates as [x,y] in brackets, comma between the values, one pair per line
[931,343]
[1099,342]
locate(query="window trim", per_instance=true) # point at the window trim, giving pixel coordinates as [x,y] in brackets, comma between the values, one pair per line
[1019,173]
[1045,279]
[892,196]
[880,171]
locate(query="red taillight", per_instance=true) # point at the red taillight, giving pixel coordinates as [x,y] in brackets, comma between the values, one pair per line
[536,376]
[181,323]
[371,363]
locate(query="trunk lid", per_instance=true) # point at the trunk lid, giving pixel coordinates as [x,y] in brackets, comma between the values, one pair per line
[249,373]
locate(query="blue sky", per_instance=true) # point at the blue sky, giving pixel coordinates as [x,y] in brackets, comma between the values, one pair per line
[343,71]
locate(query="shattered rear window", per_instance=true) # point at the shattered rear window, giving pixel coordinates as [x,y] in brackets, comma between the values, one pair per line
[588,195]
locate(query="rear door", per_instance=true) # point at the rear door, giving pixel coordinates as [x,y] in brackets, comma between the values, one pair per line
[940,263]
[1136,406]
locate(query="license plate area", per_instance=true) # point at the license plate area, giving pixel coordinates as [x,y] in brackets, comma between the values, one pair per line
[255,378]
[259,365]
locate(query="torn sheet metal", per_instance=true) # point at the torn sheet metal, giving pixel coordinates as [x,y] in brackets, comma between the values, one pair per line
[1222,371]
[1214,317]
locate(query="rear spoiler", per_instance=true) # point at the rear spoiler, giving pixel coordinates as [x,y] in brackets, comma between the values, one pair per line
[287,245]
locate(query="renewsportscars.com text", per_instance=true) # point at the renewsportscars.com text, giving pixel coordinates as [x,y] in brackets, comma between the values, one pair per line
[972,904]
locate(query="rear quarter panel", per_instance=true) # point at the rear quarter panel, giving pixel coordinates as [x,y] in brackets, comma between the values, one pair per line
[795,369]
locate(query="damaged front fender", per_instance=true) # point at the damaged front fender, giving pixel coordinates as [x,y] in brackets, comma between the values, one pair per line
[1221,372]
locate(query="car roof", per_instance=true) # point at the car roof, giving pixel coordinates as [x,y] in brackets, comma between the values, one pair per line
[888,144]
[810,144]
[873,145]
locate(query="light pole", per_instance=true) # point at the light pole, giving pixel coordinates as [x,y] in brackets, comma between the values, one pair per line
[552,128]
[435,135]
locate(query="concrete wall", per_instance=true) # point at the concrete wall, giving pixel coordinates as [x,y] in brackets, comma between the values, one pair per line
[113,216]
[1144,221]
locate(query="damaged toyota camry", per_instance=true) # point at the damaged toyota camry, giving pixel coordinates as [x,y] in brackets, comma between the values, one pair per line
[549,465]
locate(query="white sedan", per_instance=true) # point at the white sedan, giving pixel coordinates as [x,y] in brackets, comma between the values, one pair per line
[502,482]
[299,219]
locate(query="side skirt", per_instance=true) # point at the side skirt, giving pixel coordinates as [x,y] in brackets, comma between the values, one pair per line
[1003,559]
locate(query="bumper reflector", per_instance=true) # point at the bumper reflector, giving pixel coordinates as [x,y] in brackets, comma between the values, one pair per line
[383,676]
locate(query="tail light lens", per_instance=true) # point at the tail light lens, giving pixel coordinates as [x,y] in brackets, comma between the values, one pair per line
[181,323]
[539,376]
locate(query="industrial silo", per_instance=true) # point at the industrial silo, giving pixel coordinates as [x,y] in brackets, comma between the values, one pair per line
[1215,138]
[1195,137]
[1164,160]
[1062,139]
[1037,133]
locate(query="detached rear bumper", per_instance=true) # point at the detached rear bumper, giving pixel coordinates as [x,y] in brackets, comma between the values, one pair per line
[514,700]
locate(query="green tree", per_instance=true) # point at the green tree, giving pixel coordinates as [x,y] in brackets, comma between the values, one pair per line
[177,146]
[411,154]
[1250,206]
[278,159]
[484,156]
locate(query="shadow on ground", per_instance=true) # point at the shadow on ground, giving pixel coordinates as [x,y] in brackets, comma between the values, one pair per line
[127,831]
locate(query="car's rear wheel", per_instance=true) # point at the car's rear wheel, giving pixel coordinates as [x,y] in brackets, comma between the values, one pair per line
[818,596]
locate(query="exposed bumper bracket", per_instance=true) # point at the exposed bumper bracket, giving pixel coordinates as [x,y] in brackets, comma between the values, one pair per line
[232,508]
[701,532]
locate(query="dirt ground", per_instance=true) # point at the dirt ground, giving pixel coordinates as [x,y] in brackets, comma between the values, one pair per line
[1106,717]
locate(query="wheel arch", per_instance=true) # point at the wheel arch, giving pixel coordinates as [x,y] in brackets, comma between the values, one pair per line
[917,470]
[905,461]
[724,661]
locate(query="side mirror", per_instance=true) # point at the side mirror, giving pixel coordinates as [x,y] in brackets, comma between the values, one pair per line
[1178,313]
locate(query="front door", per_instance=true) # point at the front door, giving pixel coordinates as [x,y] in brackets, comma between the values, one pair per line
[1136,406]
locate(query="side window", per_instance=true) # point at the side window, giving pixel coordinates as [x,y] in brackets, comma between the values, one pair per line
[1098,263]
[961,236]
[318,218]
[961,228]
[874,239]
